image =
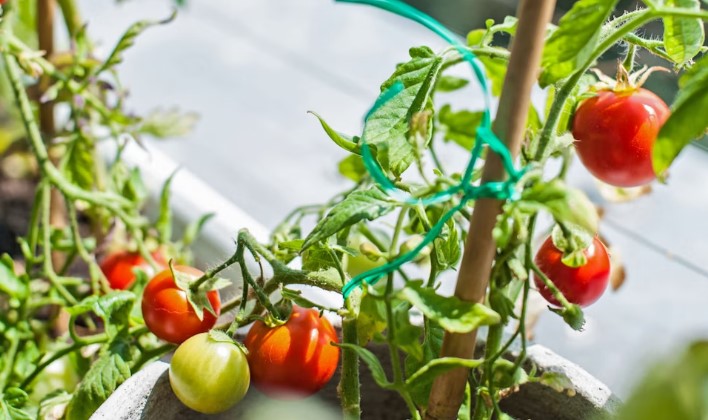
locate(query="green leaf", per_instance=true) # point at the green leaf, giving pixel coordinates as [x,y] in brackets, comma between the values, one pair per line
[407,336]
[52,402]
[128,40]
[353,168]
[10,283]
[330,276]
[169,123]
[688,121]
[377,371]
[114,308]
[450,83]
[567,205]
[164,219]
[387,128]
[80,162]
[371,319]
[447,247]
[194,228]
[674,388]
[451,313]
[357,206]
[495,68]
[347,143]
[110,370]
[557,381]
[134,189]
[435,367]
[318,257]
[683,37]
[459,126]
[575,39]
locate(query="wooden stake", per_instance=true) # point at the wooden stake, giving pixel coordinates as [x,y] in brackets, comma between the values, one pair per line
[509,125]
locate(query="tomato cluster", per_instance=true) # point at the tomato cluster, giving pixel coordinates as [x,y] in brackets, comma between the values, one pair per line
[210,373]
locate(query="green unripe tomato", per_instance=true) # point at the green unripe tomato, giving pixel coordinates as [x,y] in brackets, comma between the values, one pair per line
[209,373]
[369,257]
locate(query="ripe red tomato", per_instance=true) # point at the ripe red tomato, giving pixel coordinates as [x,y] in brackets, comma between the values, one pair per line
[580,285]
[118,267]
[615,133]
[295,359]
[167,312]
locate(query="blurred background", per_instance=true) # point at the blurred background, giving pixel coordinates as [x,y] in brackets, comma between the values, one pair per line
[251,69]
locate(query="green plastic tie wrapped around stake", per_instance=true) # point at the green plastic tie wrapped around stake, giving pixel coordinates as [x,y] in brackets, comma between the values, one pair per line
[501,190]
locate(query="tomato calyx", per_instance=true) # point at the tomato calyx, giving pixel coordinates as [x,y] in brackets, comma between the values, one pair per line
[572,242]
[197,297]
[624,81]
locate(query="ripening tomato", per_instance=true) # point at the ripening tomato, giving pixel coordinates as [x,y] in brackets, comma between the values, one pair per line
[118,267]
[295,359]
[209,373]
[580,285]
[615,133]
[167,312]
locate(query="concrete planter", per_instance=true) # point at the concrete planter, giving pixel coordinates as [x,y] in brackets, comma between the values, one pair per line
[147,394]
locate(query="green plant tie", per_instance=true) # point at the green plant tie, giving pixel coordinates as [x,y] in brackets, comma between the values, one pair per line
[500,190]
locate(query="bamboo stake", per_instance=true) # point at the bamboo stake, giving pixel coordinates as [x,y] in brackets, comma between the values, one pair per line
[509,125]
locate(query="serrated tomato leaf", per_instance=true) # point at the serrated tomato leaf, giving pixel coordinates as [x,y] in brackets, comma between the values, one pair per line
[377,371]
[573,42]
[566,204]
[164,219]
[453,314]
[459,126]
[10,283]
[127,40]
[357,206]
[688,119]
[110,370]
[426,374]
[387,128]
[114,308]
[683,37]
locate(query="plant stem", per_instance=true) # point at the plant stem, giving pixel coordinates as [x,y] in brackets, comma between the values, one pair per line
[94,339]
[9,356]
[349,386]
[72,18]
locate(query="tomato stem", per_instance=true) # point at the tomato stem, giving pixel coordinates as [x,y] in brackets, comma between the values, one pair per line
[349,386]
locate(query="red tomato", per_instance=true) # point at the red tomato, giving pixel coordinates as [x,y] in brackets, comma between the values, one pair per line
[580,285]
[615,133]
[295,359]
[167,312]
[118,267]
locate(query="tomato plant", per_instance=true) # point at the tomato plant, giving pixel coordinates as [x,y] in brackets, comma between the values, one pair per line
[580,285]
[167,311]
[293,359]
[615,132]
[403,197]
[118,267]
[209,372]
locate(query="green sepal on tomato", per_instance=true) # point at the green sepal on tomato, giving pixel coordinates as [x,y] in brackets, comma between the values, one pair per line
[175,313]
[581,285]
[209,372]
[295,359]
[616,129]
